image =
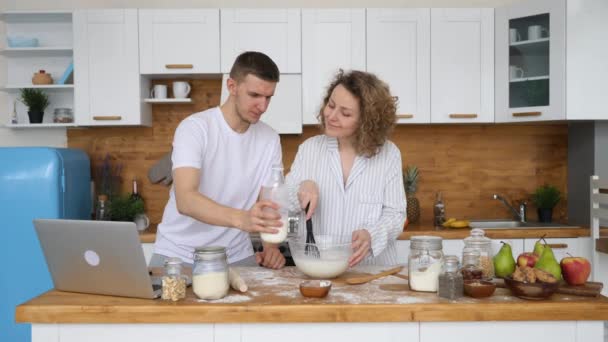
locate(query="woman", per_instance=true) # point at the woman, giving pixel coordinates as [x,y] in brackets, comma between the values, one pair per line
[351,175]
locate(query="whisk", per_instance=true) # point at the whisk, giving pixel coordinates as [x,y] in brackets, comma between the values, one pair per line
[310,249]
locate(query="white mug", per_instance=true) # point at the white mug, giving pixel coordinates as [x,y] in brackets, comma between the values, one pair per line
[181,90]
[141,221]
[159,91]
[515,72]
[514,35]
[536,32]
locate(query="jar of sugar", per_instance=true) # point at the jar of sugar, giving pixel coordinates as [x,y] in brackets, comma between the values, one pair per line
[425,263]
[210,273]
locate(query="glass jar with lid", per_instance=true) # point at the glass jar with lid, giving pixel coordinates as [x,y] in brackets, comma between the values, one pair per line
[63,115]
[451,285]
[478,241]
[173,281]
[470,264]
[210,272]
[425,262]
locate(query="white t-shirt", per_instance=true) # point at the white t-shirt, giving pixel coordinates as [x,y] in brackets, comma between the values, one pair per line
[233,167]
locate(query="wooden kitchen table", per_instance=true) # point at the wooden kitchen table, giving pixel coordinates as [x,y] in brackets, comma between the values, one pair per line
[274,309]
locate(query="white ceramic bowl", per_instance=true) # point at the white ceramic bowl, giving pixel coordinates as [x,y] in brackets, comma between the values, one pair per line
[331,261]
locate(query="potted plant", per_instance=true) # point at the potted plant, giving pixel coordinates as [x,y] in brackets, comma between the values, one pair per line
[410,182]
[36,101]
[126,208]
[545,198]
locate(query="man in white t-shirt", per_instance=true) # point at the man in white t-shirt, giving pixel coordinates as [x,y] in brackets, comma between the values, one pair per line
[221,158]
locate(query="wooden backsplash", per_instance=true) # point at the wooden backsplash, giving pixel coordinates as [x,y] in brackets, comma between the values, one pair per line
[468,163]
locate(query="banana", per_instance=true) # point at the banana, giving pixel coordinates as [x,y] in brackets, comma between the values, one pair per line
[447,224]
[459,224]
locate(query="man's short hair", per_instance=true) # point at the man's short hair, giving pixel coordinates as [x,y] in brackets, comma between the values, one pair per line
[254,63]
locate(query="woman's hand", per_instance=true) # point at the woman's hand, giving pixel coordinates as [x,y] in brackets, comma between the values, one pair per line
[362,242]
[270,257]
[308,193]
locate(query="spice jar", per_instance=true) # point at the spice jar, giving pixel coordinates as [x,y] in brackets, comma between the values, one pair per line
[451,284]
[173,281]
[210,272]
[470,264]
[425,263]
[478,241]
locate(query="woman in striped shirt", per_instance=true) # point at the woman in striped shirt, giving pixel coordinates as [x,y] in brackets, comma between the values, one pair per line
[351,175]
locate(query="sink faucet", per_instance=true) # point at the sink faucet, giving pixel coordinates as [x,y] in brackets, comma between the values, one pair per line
[521,215]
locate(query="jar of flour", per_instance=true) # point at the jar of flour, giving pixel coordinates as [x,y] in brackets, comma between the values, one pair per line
[210,273]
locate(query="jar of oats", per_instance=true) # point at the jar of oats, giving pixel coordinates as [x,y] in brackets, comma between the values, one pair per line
[479,242]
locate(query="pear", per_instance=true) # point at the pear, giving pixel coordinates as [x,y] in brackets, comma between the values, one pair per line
[547,262]
[539,246]
[504,263]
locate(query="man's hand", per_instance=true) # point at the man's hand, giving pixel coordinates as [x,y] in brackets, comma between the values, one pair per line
[270,257]
[308,193]
[259,220]
[362,242]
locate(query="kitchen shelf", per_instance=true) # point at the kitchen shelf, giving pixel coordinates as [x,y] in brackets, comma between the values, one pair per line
[537,78]
[530,42]
[536,47]
[43,12]
[37,50]
[168,101]
[44,86]
[40,125]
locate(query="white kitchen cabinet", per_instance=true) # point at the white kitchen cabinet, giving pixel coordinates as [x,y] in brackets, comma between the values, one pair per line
[586,59]
[398,52]
[462,65]
[106,59]
[179,41]
[275,32]
[284,112]
[332,39]
[530,61]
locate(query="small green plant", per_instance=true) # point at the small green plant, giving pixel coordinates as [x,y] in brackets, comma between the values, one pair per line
[36,100]
[410,179]
[125,208]
[546,197]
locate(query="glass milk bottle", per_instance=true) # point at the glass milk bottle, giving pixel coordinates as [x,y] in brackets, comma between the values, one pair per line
[276,191]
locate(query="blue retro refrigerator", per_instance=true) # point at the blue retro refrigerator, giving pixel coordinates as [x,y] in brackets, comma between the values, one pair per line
[35,182]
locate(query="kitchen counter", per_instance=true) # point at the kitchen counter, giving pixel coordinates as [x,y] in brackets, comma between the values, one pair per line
[273,306]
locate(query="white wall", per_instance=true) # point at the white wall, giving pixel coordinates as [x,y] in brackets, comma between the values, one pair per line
[57,136]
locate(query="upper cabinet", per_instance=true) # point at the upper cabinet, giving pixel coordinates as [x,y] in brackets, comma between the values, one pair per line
[179,41]
[530,61]
[462,65]
[399,53]
[275,32]
[331,39]
[106,61]
[587,59]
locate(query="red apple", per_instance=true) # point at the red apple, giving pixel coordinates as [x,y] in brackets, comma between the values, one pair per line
[575,270]
[527,259]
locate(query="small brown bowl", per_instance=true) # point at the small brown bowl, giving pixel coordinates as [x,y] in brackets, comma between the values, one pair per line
[315,288]
[479,288]
[532,291]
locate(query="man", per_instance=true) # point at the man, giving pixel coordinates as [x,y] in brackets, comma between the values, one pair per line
[221,158]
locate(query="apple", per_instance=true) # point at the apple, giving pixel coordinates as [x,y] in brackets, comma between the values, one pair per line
[527,259]
[575,270]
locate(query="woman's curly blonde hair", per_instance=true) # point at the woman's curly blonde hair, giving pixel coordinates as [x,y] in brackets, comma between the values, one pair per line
[377,107]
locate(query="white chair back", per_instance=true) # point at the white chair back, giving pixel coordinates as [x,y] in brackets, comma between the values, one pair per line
[599,211]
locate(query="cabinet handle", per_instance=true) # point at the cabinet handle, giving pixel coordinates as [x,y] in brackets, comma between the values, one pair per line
[108,118]
[179,66]
[405,116]
[526,114]
[558,245]
[463,116]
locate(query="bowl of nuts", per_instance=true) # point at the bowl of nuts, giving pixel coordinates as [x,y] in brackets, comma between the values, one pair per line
[531,283]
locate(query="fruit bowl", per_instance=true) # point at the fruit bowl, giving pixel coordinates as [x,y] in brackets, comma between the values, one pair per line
[532,291]
[331,260]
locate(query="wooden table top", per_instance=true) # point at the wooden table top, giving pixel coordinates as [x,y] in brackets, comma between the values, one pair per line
[274,296]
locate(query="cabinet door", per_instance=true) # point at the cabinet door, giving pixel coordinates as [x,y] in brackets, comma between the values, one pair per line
[530,61]
[406,34]
[275,32]
[462,65]
[106,65]
[332,39]
[284,112]
[179,41]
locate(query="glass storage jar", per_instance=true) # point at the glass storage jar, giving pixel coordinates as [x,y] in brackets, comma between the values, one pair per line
[425,263]
[470,264]
[451,284]
[63,115]
[173,281]
[210,272]
[478,241]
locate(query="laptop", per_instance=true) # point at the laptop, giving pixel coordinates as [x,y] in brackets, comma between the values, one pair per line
[99,257]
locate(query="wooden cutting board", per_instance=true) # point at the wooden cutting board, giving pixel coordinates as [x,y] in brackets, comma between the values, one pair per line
[590,289]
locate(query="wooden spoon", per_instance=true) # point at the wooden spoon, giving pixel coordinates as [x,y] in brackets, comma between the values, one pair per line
[364,279]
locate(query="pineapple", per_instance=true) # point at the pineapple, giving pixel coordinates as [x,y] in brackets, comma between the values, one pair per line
[410,181]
